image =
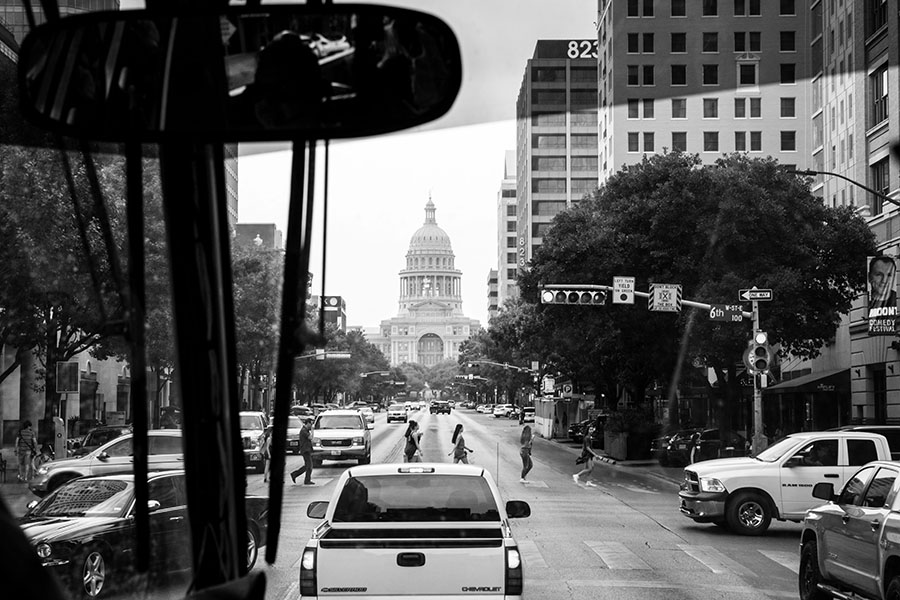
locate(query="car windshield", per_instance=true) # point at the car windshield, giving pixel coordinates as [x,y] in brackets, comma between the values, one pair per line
[415,498]
[294,423]
[87,498]
[680,215]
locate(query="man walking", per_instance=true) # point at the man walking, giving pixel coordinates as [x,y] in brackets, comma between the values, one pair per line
[305,447]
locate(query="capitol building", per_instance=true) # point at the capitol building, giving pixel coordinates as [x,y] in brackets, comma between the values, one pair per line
[430,325]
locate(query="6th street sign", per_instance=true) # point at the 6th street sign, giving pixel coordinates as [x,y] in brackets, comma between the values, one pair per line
[755,294]
[732,313]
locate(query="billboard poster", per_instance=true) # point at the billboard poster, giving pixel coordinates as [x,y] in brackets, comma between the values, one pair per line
[882,295]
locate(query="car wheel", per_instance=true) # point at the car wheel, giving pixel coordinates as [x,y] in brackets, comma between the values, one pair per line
[748,513]
[893,589]
[252,548]
[92,573]
[810,577]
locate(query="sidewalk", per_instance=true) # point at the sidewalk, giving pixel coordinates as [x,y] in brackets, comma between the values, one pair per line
[649,466]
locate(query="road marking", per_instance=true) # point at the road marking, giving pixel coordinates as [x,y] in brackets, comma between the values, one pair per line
[788,560]
[617,556]
[293,591]
[531,556]
[727,590]
[714,560]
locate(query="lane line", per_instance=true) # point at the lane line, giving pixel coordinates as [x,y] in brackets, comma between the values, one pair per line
[617,556]
[714,560]
[788,560]
[531,556]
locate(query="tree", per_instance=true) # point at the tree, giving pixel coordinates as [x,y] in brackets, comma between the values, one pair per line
[713,229]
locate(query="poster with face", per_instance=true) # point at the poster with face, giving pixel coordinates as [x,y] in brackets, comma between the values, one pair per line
[882,295]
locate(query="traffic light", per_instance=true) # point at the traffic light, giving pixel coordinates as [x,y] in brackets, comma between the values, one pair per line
[758,356]
[569,296]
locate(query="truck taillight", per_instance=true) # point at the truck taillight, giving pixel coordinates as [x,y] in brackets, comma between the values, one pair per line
[513,572]
[308,572]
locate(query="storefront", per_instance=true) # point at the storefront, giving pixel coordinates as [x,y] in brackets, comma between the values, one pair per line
[812,402]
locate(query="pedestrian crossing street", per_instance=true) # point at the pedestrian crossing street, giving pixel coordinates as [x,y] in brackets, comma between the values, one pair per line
[618,556]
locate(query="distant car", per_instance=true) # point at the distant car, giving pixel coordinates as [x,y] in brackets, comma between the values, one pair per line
[84,531]
[577,430]
[96,437]
[302,411]
[513,413]
[439,407]
[253,425]
[368,413]
[529,414]
[487,409]
[709,445]
[116,456]
[397,412]
[295,424]
[420,530]
[675,451]
[502,410]
[341,435]
[317,408]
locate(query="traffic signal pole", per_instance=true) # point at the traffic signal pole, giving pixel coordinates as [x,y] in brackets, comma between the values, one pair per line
[759,440]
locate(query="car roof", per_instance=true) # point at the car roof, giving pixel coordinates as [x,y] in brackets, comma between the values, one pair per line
[338,411]
[406,468]
[130,476]
[245,413]
[866,427]
[840,433]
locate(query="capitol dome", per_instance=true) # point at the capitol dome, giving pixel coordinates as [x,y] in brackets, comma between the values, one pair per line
[429,236]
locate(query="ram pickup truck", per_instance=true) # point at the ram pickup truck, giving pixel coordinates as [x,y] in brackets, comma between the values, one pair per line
[850,547]
[419,530]
[746,493]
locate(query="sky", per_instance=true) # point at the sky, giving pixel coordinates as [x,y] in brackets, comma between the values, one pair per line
[378,187]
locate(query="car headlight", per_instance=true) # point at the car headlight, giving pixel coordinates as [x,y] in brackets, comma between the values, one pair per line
[43,470]
[357,441]
[711,484]
[43,550]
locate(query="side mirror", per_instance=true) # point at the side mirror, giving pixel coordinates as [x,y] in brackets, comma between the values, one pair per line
[153,505]
[104,456]
[517,509]
[245,73]
[824,491]
[317,509]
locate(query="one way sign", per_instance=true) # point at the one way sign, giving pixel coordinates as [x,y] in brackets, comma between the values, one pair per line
[755,294]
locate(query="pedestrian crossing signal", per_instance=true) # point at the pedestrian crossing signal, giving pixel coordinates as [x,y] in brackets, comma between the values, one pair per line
[568,296]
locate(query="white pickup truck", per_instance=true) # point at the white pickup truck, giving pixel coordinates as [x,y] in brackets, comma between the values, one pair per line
[419,530]
[745,494]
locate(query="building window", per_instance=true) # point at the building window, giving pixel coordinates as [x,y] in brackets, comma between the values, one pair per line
[740,108]
[747,73]
[545,208]
[511,227]
[648,75]
[679,141]
[548,74]
[881,182]
[634,75]
[788,141]
[743,8]
[548,163]
[550,186]
[583,98]
[755,108]
[679,74]
[710,8]
[510,242]
[584,118]
[710,108]
[878,84]
[583,75]
[648,108]
[648,141]
[584,163]
[787,8]
[539,230]
[710,74]
[549,97]
[877,15]
[584,141]
[678,8]
[511,208]
[788,73]
[710,41]
[756,141]
[511,273]
[583,186]
[550,141]
[634,8]
[788,108]
[679,43]
[634,108]
[741,39]
[679,108]
[648,8]
[740,141]
[788,41]
[634,43]
[648,43]
[633,142]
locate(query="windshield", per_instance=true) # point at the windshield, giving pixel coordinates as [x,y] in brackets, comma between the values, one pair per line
[650,216]
[89,498]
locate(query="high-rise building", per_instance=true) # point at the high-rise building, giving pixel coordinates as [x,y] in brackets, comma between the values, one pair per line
[507,246]
[493,306]
[430,325]
[556,138]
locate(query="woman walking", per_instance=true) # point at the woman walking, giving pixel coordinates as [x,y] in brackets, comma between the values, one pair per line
[587,457]
[459,452]
[526,440]
[413,449]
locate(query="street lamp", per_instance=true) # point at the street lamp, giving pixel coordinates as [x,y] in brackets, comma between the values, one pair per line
[810,173]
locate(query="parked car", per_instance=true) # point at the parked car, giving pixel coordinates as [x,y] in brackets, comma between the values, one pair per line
[368,413]
[397,412]
[439,407]
[295,424]
[96,437]
[577,430]
[710,443]
[848,547]
[341,435]
[84,531]
[675,449]
[502,410]
[253,425]
[529,414]
[411,530]
[116,456]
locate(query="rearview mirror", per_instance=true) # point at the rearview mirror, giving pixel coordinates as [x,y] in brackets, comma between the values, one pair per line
[239,74]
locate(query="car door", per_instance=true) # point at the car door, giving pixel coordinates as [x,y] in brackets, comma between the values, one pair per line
[832,524]
[166,453]
[116,457]
[167,524]
[814,462]
[861,532]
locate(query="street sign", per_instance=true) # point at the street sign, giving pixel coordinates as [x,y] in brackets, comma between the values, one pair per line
[664,297]
[732,313]
[623,290]
[755,294]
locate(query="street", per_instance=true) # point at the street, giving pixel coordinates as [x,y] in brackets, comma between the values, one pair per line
[620,535]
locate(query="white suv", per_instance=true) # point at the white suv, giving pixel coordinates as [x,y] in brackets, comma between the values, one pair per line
[341,435]
[419,530]
[397,412]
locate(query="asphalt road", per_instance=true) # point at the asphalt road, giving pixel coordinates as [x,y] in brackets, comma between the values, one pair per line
[618,536]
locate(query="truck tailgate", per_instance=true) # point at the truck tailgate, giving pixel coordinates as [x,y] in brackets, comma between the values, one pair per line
[443,562]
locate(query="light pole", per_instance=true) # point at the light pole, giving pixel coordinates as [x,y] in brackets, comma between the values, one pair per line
[810,173]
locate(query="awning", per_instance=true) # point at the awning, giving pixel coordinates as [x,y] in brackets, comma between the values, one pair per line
[836,380]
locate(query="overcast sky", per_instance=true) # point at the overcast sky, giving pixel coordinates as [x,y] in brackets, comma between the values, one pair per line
[378,187]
